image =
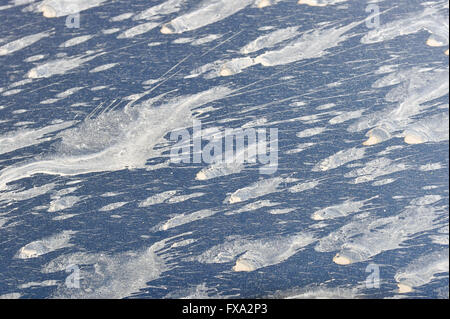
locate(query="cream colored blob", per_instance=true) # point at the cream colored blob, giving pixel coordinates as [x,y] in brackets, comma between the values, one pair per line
[404,289]
[26,253]
[341,260]
[201,176]
[226,72]
[234,199]
[32,74]
[434,43]
[243,265]
[411,139]
[166,30]
[311,3]
[316,216]
[48,11]
[372,141]
[263,3]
